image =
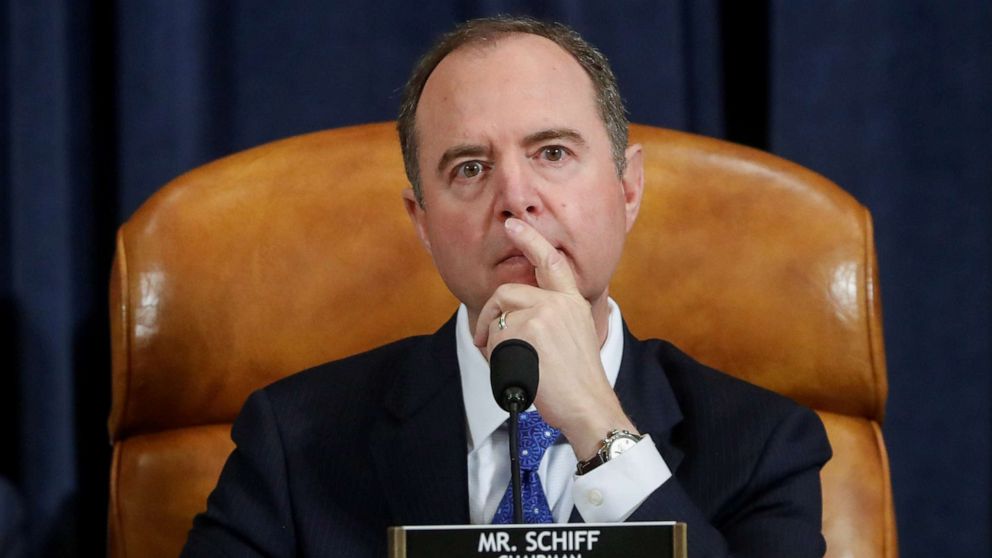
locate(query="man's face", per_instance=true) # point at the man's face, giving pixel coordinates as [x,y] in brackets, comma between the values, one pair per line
[513,129]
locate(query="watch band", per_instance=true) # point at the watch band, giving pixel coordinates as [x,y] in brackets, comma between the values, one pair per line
[583,467]
[603,454]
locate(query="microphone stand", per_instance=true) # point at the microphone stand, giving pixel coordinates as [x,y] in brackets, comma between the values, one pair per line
[515,398]
[514,374]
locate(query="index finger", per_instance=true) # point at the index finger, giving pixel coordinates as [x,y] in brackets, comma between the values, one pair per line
[551,267]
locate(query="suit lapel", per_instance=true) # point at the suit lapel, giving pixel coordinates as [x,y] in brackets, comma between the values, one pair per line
[419,445]
[647,397]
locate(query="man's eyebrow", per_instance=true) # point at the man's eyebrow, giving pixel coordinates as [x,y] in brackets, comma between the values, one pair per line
[553,134]
[463,150]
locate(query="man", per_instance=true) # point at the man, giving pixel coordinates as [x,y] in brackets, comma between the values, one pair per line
[524,189]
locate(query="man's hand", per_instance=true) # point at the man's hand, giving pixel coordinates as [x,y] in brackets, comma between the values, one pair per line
[574,394]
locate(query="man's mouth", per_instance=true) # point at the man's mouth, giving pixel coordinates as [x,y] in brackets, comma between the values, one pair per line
[516,257]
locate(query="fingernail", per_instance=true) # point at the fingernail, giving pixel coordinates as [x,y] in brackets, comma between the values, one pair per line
[513,225]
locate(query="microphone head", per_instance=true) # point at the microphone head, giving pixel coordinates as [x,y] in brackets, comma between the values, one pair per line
[513,372]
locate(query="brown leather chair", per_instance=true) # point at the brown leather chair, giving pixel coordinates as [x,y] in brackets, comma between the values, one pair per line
[299,251]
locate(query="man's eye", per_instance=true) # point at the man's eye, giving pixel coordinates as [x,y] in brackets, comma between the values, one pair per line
[470,169]
[554,153]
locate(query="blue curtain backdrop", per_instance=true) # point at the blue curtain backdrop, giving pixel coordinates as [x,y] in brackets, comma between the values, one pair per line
[103,102]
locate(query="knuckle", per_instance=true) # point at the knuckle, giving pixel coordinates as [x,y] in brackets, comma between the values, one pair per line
[553,259]
[499,293]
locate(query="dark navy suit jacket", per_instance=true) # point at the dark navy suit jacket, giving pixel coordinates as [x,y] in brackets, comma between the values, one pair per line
[327,459]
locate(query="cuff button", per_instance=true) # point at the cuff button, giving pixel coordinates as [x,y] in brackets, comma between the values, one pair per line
[595,497]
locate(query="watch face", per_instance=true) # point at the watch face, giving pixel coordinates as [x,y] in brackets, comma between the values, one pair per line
[621,445]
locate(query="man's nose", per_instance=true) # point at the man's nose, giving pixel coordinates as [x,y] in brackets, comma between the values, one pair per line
[517,193]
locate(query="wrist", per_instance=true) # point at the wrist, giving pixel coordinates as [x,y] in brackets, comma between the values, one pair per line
[616,443]
[587,436]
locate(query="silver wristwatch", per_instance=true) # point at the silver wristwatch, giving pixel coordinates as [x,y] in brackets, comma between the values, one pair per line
[616,442]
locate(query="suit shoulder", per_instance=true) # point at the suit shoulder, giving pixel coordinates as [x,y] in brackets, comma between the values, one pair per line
[751,435]
[706,392]
[365,374]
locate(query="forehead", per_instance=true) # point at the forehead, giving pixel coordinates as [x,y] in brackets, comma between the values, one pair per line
[516,83]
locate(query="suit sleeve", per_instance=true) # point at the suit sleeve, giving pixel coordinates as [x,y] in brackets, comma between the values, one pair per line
[248,513]
[777,514]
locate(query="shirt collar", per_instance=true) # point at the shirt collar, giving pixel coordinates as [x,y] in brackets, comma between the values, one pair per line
[481,411]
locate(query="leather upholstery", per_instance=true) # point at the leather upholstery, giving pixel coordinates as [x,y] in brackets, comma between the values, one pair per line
[299,251]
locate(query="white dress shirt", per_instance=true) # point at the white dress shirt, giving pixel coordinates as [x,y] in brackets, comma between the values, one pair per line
[608,493]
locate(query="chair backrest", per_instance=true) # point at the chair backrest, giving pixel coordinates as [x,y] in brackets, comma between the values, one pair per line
[299,251]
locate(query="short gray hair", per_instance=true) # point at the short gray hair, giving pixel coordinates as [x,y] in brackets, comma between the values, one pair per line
[475,31]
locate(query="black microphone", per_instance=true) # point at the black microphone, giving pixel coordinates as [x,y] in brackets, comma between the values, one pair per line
[513,373]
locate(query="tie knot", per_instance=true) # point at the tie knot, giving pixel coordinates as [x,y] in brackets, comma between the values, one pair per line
[535,438]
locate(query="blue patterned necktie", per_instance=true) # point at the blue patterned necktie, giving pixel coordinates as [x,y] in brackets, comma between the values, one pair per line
[535,437]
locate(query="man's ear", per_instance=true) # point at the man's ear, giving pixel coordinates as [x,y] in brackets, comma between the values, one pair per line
[633,183]
[417,217]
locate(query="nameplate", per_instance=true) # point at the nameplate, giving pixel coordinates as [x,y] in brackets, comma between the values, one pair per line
[660,539]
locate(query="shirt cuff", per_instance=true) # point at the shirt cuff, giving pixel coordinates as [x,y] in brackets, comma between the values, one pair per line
[614,490]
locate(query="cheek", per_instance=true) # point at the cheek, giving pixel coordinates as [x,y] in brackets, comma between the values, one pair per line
[453,238]
[601,207]
[602,224]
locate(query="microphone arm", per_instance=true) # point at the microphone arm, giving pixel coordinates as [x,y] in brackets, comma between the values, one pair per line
[515,398]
